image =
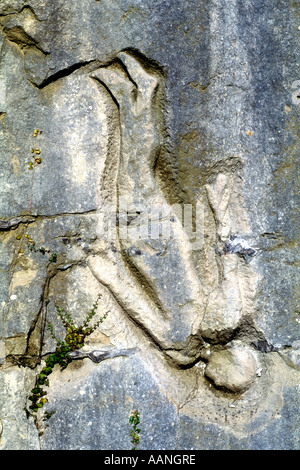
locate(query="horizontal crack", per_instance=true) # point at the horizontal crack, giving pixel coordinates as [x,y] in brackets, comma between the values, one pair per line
[7,224]
[12,223]
[18,12]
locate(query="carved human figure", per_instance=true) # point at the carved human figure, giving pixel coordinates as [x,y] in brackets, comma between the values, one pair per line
[153,277]
[164,295]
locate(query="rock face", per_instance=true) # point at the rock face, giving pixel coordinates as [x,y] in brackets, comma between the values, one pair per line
[233,368]
[148,154]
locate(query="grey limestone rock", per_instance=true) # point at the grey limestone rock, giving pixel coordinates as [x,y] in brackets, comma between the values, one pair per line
[148,152]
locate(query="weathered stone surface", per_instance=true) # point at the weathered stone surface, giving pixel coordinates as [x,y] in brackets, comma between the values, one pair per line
[98,395]
[247,421]
[16,431]
[292,355]
[277,435]
[147,105]
[233,368]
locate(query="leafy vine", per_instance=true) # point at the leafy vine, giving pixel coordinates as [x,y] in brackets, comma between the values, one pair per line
[74,340]
[134,421]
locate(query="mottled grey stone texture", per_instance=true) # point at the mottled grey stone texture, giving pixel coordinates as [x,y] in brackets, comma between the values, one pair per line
[203,108]
[100,403]
[280,435]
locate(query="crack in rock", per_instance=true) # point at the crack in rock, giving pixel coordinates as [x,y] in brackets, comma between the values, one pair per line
[99,355]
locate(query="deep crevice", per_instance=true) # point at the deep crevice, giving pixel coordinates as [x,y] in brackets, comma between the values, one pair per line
[119,302]
[64,73]
[108,90]
[143,280]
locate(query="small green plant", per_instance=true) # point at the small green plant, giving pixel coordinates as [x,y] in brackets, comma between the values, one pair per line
[32,247]
[134,420]
[74,339]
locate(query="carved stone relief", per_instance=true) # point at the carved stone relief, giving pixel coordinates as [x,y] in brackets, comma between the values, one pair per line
[140,250]
[186,276]
[165,295]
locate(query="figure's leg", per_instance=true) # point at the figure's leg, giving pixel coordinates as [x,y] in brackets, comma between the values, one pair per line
[160,263]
